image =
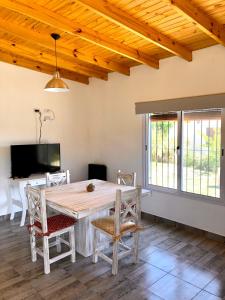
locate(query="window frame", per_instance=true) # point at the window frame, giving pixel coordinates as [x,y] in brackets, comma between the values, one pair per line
[178,191]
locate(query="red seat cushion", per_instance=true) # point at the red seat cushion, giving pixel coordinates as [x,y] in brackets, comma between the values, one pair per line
[56,223]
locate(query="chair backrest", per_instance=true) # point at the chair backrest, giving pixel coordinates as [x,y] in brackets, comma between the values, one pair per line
[127,208]
[37,206]
[126,178]
[55,179]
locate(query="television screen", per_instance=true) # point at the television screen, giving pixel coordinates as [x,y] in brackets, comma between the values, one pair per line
[33,159]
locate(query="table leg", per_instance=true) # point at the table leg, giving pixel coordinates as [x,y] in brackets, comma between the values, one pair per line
[10,199]
[84,233]
[24,206]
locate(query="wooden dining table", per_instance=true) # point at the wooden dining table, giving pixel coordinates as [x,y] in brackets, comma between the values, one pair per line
[74,200]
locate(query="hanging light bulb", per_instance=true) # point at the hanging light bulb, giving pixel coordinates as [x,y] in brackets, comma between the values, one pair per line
[56,84]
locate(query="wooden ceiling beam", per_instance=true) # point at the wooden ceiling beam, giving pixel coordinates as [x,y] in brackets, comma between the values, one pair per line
[48,17]
[45,57]
[123,19]
[44,41]
[204,22]
[11,58]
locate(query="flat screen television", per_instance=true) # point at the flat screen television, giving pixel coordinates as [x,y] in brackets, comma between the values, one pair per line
[34,159]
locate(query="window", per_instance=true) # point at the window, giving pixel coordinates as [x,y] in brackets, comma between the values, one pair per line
[184,151]
[163,158]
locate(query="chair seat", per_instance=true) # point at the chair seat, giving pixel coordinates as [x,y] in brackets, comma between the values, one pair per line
[56,223]
[107,224]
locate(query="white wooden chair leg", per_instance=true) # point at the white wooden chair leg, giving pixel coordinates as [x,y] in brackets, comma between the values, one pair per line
[12,215]
[24,212]
[58,244]
[136,243]
[115,258]
[33,246]
[46,255]
[95,246]
[72,245]
[23,202]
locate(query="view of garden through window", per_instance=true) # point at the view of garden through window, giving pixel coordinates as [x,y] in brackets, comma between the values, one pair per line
[163,157]
[201,146]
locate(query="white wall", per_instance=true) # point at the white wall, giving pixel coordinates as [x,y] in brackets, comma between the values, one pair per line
[21,90]
[115,131]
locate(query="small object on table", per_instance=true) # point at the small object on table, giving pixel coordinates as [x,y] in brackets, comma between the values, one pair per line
[90,187]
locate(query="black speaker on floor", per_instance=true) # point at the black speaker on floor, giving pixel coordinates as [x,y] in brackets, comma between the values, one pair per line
[96,171]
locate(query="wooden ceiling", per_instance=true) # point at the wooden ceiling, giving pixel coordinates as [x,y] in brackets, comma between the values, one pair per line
[102,36]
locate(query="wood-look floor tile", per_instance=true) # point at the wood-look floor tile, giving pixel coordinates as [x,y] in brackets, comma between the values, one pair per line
[183,235]
[35,296]
[212,245]
[203,295]
[46,281]
[122,289]
[213,262]
[193,274]
[106,282]
[146,251]
[58,290]
[190,252]
[7,274]
[167,243]
[146,275]
[173,288]
[163,260]
[10,282]
[140,294]
[18,291]
[217,286]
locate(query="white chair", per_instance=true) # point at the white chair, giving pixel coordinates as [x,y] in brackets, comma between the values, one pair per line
[46,228]
[126,178]
[117,225]
[54,179]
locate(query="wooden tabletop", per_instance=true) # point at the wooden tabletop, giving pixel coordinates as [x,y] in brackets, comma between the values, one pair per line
[74,199]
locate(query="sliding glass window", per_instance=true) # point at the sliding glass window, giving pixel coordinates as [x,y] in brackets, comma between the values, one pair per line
[183,151]
[201,152]
[163,158]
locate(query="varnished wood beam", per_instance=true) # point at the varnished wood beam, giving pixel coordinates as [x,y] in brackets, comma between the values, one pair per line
[49,58]
[45,41]
[11,58]
[203,21]
[123,19]
[73,28]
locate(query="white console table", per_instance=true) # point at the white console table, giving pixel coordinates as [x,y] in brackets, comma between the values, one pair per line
[18,196]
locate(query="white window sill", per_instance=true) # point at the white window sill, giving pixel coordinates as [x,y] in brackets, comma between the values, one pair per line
[191,196]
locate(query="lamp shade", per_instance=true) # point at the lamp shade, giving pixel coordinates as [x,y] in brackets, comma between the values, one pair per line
[56,84]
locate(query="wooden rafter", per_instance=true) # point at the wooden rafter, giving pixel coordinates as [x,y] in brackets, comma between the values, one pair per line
[40,67]
[45,57]
[73,28]
[207,24]
[123,19]
[45,42]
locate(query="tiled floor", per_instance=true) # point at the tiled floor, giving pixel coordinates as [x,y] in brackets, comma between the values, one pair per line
[174,264]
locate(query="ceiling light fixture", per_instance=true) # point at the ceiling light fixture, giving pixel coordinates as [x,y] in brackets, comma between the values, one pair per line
[56,84]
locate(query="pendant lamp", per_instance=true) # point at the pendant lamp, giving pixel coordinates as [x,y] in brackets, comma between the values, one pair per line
[56,84]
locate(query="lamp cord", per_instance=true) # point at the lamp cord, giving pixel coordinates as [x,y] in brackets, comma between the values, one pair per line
[40,133]
[56,63]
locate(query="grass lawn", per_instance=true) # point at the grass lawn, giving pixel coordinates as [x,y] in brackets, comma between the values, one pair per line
[194,180]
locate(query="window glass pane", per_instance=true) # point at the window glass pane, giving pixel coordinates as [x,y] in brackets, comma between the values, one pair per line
[163,146]
[201,152]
